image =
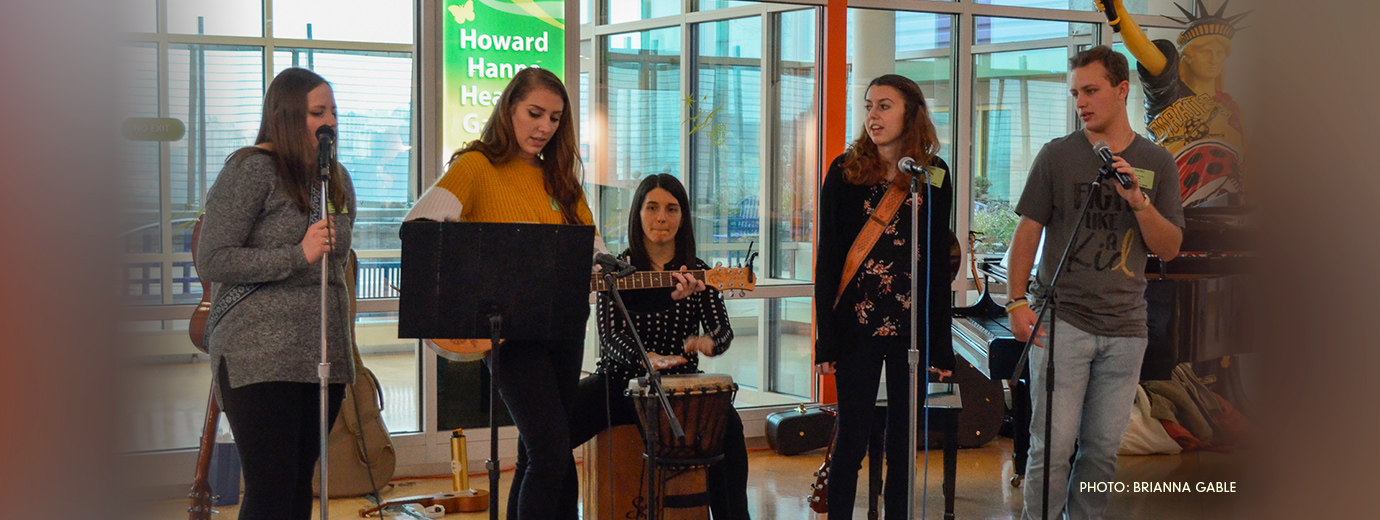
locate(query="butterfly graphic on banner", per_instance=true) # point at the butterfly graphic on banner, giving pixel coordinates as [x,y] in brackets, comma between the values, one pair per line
[463,13]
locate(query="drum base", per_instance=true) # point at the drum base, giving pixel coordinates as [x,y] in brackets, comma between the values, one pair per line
[615,481]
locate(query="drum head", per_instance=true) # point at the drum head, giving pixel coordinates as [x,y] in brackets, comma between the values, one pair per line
[685,382]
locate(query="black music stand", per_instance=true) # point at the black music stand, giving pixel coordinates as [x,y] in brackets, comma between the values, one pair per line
[470,280]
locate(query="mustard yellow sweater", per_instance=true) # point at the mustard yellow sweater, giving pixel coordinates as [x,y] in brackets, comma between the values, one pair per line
[475,190]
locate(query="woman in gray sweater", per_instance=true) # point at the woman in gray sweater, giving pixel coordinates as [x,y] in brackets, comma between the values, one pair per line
[262,243]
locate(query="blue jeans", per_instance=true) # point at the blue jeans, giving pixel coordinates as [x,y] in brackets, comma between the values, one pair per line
[1095,388]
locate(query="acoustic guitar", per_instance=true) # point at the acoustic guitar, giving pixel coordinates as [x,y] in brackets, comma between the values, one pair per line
[721,278]
[201,495]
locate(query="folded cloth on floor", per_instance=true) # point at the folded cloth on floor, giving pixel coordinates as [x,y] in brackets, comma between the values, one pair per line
[1145,435]
[1186,412]
[1183,373]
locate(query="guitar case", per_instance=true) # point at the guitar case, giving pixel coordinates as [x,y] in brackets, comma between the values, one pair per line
[799,430]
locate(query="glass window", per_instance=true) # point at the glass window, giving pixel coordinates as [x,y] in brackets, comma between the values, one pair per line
[141,198]
[795,162]
[725,112]
[642,85]
[791,345]
[221,18]
[1159,7]
[217,92]
[1020,102]
[915,45]
[385,21]
[395,363]
[707,5]
[373,95]
[620,11]
[138,16]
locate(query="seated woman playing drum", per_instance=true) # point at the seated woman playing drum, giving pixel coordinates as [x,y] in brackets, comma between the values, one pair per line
[676,327]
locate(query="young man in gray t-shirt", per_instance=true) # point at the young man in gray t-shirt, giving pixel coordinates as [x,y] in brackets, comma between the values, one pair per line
[1101,334]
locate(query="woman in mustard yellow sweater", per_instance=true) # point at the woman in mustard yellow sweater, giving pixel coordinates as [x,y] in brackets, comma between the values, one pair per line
[525,167]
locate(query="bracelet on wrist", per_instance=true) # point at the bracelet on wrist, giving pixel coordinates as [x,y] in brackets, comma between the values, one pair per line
[1016,303]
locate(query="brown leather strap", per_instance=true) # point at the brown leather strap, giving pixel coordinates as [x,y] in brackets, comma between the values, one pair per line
[871,231]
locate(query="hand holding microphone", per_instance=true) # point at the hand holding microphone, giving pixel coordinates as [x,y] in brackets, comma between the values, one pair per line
[1108,169]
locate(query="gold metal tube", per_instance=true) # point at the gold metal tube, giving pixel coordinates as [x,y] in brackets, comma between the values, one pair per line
[459,461]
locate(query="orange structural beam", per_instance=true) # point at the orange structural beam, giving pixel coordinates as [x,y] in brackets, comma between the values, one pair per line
[834,99]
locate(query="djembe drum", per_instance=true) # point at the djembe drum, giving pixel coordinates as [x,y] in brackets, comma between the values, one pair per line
[702,403]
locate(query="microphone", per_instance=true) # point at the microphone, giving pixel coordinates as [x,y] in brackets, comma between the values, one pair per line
[1105,153]
[325,136]
[613,264]
[908,165]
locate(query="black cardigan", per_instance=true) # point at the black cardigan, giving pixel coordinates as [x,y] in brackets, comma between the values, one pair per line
[841,218]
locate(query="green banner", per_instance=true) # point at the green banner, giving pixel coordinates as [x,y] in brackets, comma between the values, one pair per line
[486,43]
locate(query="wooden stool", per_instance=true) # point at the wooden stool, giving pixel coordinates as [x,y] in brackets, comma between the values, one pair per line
[615,481]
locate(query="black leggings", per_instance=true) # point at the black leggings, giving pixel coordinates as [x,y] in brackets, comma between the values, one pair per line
[277,433]
[537,381]
[856,380]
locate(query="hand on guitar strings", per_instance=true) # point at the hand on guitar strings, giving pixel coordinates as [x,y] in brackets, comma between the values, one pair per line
[685,285]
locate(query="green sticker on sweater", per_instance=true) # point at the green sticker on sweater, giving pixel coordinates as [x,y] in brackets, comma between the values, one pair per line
[936,176]
[554,207]
[1146,178]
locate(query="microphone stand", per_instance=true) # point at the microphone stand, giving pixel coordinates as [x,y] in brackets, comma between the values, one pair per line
[1052,302]
[323,371]
[653,384]
[913,355]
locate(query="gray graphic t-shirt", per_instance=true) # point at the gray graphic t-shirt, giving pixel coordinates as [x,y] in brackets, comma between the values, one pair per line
[1102,290]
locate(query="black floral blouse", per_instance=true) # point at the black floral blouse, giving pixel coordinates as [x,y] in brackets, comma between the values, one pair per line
[876,302]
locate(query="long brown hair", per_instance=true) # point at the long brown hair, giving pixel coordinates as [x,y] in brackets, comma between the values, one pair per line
[862,163]
[560,158]
[284,125]
[685,236]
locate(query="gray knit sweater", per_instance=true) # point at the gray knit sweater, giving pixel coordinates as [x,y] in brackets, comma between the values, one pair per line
[252,233]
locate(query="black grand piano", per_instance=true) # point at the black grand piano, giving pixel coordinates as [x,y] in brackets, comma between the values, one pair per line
[1195,315]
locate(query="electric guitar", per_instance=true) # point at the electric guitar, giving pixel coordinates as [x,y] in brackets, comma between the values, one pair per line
[721,278]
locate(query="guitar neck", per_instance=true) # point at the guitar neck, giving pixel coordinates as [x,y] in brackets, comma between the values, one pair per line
[642,280]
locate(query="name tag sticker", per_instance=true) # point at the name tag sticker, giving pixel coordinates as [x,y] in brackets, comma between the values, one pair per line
[330,207]
[554,205]
[936,176]
[1146,178]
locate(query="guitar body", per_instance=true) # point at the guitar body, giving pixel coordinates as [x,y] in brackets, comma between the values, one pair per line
[461,349]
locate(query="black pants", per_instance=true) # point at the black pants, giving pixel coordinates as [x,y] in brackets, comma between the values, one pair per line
[600,404]
[537,381]
[856,380]
[277,431]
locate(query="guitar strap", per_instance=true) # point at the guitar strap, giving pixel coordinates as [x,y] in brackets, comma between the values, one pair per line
[872,230]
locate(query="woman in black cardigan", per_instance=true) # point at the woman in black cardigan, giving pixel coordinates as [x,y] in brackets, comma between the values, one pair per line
[870,325]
